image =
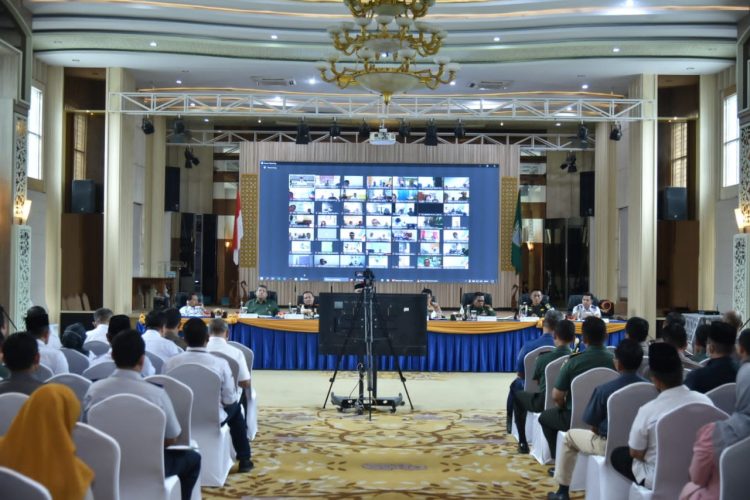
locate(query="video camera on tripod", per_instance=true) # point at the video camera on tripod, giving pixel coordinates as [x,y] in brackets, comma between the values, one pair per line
[364,279]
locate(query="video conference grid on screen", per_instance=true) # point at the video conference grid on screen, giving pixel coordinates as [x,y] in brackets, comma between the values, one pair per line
[343,218]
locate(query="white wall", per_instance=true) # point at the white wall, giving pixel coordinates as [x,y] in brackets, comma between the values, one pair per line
[38,223]
[725,227]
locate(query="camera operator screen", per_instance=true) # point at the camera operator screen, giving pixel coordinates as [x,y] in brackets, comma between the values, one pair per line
[409,222]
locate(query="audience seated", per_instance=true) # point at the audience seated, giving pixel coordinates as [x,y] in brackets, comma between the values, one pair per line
[700,341]
[154,336]
[101,325]
[675,335]
[671,318]
[261,304]
[720,369]
[525,401]
[637,329]
[172,327]
[39,443]
[37,324]
[551,319]
[628,357]
[21,356]
[196,335]
[4,372]
[733,318]
[637,461]
[120,323]
[218,343]
[73,338]
[128,353]
[595,355]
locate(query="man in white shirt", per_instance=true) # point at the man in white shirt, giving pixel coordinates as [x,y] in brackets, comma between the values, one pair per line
[37,324]
[196,336]
[586,308]
[193,307]
[637,461]
[101,325]
[218,343]
[120,323]
[154,336]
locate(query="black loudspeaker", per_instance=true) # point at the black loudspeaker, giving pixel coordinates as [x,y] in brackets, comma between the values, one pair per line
[172,189]
[83,197]
[210,222]
[673,203]
[587,191]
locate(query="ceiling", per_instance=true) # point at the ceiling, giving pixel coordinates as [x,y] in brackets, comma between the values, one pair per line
[542,45]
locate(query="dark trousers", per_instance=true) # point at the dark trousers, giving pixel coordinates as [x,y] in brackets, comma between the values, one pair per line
[525,402]
[516,386]
[238,430]
[553,420]
[185,464]
[622,462]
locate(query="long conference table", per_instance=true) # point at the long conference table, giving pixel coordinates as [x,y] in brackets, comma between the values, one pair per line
[452,346]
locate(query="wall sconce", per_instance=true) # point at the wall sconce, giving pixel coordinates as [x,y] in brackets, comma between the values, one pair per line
[742,223]
[227,244]
[530,246]
[23,213]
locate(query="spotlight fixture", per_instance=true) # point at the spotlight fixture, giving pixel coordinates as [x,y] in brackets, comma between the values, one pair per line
[431,134]
[570,163]
[459,132]
[364,131]
[335,130]
[616,132]
[190,158]
[404,130]
[147,126]
[303,133]
[583,133]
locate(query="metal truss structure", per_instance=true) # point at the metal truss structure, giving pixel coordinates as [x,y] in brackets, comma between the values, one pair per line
[416,108]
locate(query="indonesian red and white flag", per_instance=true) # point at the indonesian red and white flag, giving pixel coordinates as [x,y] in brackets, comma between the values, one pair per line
[238,229]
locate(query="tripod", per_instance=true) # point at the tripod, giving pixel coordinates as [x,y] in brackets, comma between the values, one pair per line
[365,309]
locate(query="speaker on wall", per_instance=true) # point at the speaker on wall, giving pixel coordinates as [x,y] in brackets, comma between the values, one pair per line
[587,194]
[172,189]
[83,196]
[673,203]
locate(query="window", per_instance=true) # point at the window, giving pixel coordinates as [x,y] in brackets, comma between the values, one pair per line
[79,146]
[679,154]
[34,136]
[730,143]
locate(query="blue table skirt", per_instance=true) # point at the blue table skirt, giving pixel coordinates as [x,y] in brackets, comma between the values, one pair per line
[491,352]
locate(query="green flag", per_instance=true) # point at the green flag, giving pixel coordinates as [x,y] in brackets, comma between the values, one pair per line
[515,248]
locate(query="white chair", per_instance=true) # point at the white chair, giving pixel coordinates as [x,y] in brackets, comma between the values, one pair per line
[724,397]
[675,435]
[77,362]
[234,367]
[602,481]
[643,369]
[138,427]
[539,446]
[100,371]
[43,372]
[10,403]
[732,470]
[156,360]
[102,453]
[214,441]
[181,397]
[96,346]
[529,384]
[78,383]
[15,485]
[611,348]
[251,415]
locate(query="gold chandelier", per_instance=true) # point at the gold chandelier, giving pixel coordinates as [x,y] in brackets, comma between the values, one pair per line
[385,57]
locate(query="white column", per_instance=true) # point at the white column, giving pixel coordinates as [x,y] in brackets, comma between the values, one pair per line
[604,263]
[155,219]
[54,146]
[708,136]
[642,205]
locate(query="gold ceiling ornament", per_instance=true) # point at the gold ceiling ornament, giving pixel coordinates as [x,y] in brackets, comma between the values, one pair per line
[386,57]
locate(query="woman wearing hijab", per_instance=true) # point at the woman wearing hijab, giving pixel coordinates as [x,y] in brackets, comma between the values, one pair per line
[713,438]
[39,443]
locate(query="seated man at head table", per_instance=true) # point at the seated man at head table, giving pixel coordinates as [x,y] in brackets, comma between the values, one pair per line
[433,308]
[537,307]
[261,305]
[586,308]
[193,306]
[308,305]
[478,305]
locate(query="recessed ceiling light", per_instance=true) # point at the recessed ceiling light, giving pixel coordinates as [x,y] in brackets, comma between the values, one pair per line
[178,82]
[501,124]
[192,104]
[585,86]
[312,81]
[615,49]
[629,3]
[153,43]
[205,120]
[76,60]
[260,121]
[453,83]
[496,39]
[274,37]
[558,124]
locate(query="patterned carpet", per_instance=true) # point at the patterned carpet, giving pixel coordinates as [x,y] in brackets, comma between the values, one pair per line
[314,453]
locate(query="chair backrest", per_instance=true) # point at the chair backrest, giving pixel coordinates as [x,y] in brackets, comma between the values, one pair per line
[234,367]
[622,407]
[100,371]
[468,298]
[643,370]
[101,452]
[724,397]
[138,427]
[156,360]
[206,386]
[10,403]
[182,401]
[675,433]
[574,300]
[78,383]
[551,371]
[96,346]
[526,299]
[43,372]
[15,485]
[529,361]
[272,296]
[732,470]
[581,390]
[249,354]
[77,362]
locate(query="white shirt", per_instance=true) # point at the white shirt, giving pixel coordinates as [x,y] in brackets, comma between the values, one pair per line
[581,312]
[148,368]
[643,431]
[52,358]
[188,310]
[219,344]
[54,337]
[99,333]
[160,346]
[201,356]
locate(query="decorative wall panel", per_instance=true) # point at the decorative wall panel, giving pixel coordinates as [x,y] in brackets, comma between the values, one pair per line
[20,272]
[508,198]
[249,194]
[20,152]
[744,193]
